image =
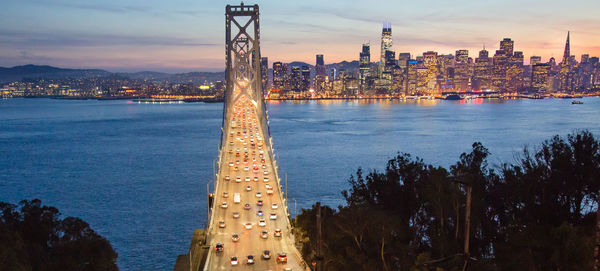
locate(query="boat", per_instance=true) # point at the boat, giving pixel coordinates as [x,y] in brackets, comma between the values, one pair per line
[453,97]
[576,102]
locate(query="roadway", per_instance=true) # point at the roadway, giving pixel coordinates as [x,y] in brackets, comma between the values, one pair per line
[247,168]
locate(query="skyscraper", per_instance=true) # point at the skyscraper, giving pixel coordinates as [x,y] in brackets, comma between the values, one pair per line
[566,75]
[364,64]
[386,41]
[305,85]
[507,45]
[279,75]
[567,54]
[535,60]
[264,70]
[320,73]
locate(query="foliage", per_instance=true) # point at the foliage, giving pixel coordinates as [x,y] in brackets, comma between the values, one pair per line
[535,214]
[33,237]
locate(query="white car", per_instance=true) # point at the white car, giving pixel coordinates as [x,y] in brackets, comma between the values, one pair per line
[264,234]
[248,188]
[224,205]
[234,260]
[262,222]
[266,179]
[273,216]
[270,192]
[221,224]
[248,226]
[247,179]
[274,206]
[238,179]
[258,194]
[277,233]
[246,169]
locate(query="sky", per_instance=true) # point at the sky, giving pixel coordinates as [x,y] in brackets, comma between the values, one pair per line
[186,35]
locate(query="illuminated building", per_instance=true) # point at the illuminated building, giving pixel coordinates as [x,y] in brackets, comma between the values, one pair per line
[566,76]
[305,81]
[279,75]
[386,43]
[296,79]
[507,45]
[403,59]
[540,77]
[364,64]
[264,70]
[461,70]
[320,73]
[483,71]
[430,63]
[533,60]
[411,77]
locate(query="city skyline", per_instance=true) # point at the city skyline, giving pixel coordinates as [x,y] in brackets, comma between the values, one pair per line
[181,36]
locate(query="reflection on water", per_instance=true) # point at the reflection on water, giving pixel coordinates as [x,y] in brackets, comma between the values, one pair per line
[138,172]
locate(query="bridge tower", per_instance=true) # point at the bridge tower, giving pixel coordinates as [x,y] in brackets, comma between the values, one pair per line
[243,76]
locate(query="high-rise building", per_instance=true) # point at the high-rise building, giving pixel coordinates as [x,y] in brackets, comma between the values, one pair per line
[364,64]
[305,82]
[403,59]
[540,76]
[483,71]
[461,70]
[507,45]
[566,76]
[264,71]
[430,63]
[320,73]
[279,75]
[533,60]
[296,79]
[386,43]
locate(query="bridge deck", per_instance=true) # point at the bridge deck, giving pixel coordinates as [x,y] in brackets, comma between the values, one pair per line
[246,164]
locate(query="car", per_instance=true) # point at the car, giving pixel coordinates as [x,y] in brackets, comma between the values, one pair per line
[277,233]
[264,166]
[221,224]
[225,194]
[268,186]
[270,191]
[259,202]
[246,206]
[250,259]
[266,255]
[236,168]
[266,179]
[246,169]
[219,247]
[273,216]
[274,206]
[234,260]
[227,178]
[262,222]
[266,172]
[235,237]
[255,179]
[248,226]
[231,163]
[264,234]
[238,179]
[259,213]
[224,205]
[281,257]
[236,215]
[247,179]
[237,162]
[258,194]
[248,188]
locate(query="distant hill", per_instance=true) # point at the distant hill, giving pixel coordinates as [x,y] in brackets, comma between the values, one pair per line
[18,73]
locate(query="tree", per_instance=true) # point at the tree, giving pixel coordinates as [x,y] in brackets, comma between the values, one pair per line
[35,238]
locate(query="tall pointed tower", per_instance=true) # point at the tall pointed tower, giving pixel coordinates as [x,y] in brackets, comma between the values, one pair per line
[567,54]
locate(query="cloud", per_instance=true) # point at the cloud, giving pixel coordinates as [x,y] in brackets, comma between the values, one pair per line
[42,39]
